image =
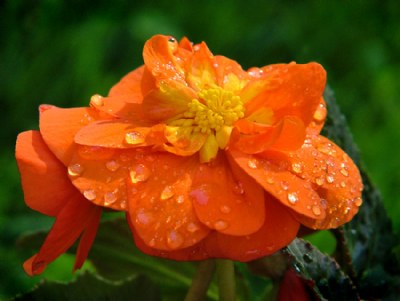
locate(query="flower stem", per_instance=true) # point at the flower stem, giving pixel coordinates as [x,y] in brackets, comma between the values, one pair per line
[226,279]
[201,281]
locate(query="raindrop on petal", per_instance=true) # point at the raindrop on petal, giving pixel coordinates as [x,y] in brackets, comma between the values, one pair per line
[320,113]
[330,179]
[220,225]
[292,198]
[192,227]
[252,163]
[358,202]
[297,167]
[89,194]
[134,138]
[174,239]
[142,217]
[167,193]
[316,210]
[97,100]
[75,170]
[238,188]
[225,209]
[112,165]
[109,198]
[139,173]
[180,199]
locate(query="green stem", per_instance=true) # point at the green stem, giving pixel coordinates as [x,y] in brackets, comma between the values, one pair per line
[226,279]
[201,281]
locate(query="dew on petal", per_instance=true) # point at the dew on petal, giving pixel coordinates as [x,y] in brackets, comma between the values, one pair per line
[110,198]
[112,165]
[97,100]
[142,217]
[346,210]
[358,202]
[343,184]
[316,210]
[270,180]
[344,172]
[252,163]
[89,194]
[238,188]
[285,185]
[292,198]
[330,178]
[225,209]
[320,113]
[297,167]
[123,204]
[220,225]
[167,193]
[180,199]
[134,138]
[319,181]
[139,173]
[75,170]
[174,239]
[192,227]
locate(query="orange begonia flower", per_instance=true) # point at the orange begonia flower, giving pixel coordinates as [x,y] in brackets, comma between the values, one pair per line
[207,159]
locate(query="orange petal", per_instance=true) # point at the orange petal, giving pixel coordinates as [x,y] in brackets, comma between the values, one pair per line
[224,67]
[297,91]
[182,141]
[59,126]
[87,239]
[278,230]
[160,208]
[70,223]
[226,199]
[119,107]
[334,176]
[291,191]
[291,136]
[39,167]
[130,85]
[315,127]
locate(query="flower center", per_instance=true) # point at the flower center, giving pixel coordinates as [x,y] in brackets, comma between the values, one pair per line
[215,109]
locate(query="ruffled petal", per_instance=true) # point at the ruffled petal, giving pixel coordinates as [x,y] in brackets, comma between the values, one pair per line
[334,176]
[290,190]
[229,74]
[298,93]
[39,167]
[72,220]
[59,126]
[130,85]
[226,199]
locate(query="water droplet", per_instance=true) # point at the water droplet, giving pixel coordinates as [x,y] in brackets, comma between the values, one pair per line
[319,181]
[220,225]
[89,194]
[109,198]
[174,239]
[330,178]
[358,202]
[139,173]
[97,100]
[285,185]
[238,188]
[316,210]
[142,217]
[320,113]
[252,163]
[346,210]
[292,198]
[297,167]
[344,172]
[180,199]
[225,209]
[270,180]
[192,227]
[123,204]
[200,195]
[112,165]
[75,170]
[167,193]
[134,137]
[343,184]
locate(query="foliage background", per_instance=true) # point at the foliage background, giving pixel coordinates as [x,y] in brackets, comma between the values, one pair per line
[58,53]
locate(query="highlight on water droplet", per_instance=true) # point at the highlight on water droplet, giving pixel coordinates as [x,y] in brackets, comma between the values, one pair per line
[316,210]
[75,170]
[112,165]
[297,167]
[220,225]
[330,178]
[320,113]
[344,172]
[134,138]
[89,194]
[292,198]
[252,163]
[139,173]
[167,193]
[97,100]
[174,239]
[180,199]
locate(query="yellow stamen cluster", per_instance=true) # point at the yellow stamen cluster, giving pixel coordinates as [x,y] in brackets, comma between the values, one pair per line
[215,109]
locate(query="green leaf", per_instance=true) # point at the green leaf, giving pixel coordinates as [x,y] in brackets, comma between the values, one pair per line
[369,237]
[89,287]
[311,264]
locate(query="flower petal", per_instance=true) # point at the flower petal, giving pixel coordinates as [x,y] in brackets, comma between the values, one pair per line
[334,175]
[70,223]
[130,85]
[291,191]
[226,199]
[39,167]
[160,208]
[298,93]
[59,126]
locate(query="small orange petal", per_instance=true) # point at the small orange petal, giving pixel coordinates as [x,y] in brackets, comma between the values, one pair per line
[226,199]
[291,191]
[39,167]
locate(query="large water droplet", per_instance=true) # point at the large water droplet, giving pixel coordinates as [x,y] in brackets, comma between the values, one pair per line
[252,163]
[89,194]
[143,217]
[167,193]
[112,165]
[358,202]
[109,198]
[75,170]
[192,227]
[292,198]
[139,173]
[220,225]
[97,100]
[174,239]
[297,167]
[316,210]
[134,138]
[320,113]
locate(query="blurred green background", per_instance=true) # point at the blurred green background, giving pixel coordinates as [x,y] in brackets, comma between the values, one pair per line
[61,54]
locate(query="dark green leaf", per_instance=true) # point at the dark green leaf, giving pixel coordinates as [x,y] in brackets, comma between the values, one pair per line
[369,237]
[88,287]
